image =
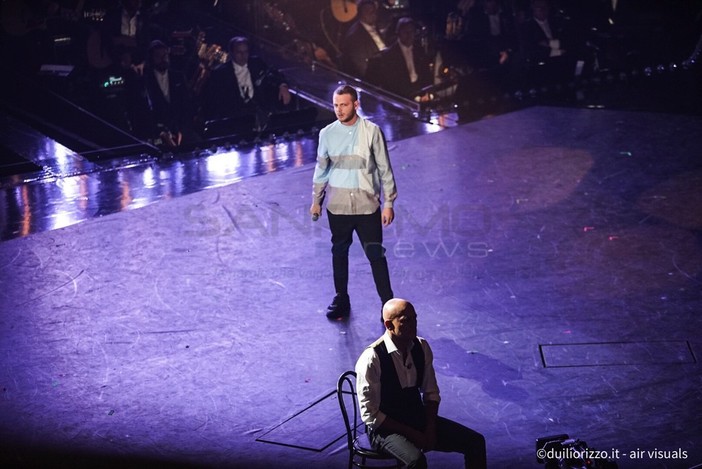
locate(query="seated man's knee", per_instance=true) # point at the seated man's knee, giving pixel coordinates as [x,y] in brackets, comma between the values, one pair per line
[419,463]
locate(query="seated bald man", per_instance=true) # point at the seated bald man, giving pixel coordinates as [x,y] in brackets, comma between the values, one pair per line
[399,396]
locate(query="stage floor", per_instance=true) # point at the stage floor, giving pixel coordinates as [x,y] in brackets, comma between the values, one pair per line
[553,255]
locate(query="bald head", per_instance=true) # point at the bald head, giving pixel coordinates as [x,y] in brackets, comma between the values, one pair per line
[394,307]
[400,320]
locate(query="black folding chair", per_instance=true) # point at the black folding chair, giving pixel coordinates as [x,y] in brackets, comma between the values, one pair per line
[360,450]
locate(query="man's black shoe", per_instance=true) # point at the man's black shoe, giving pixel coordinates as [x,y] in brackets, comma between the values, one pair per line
[339,308]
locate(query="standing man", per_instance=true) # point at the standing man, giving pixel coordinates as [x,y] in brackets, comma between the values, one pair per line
[399,396]
[352,166]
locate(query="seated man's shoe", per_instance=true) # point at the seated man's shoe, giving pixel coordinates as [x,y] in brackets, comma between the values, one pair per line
[339,308]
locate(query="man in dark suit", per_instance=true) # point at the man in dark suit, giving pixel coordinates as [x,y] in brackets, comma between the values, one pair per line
[549,45]
[403,68]
[490,35]
[124,33]
[362,41]
[168,97]
[245,85]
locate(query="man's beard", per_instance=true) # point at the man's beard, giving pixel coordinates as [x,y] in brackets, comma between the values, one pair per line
[348,118]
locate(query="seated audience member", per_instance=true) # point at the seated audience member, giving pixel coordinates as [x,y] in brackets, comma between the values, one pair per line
[490,35]
[399,396]
[548,44]
[124,32]
[168,96]
[362,41]
[244,86]
[402,68]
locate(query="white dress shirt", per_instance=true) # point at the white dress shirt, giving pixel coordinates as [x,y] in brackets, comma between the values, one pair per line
[409,60]
[368,378]
[129,24]
[495,28]
[163,84]
[243,77]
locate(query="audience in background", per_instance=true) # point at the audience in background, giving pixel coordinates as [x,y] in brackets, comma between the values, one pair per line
[480,48]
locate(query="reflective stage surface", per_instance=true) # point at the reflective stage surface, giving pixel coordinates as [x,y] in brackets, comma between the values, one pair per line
[553,256]
[132,184]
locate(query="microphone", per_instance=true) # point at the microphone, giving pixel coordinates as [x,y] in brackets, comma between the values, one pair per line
[315,216]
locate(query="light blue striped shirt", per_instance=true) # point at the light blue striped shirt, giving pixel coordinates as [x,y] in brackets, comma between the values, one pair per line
[352,168]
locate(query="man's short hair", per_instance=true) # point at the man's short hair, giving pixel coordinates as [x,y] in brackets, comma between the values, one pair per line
[237,40]
[404,21]
[347,89]
[155,45]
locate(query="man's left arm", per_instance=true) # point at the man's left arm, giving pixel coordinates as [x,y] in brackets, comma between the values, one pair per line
[387,177]
[270,77]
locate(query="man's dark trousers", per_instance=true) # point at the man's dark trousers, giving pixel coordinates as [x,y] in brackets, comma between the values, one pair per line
[451,437]
[370,232]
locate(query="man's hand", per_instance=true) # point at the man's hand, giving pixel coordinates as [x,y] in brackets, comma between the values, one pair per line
[504,57]
[315,210]
[388,216]
[425,440]
[284,94]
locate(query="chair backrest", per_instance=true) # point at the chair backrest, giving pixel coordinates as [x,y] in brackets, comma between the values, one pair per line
[348,400]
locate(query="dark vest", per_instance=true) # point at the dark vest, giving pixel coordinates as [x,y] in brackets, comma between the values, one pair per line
[404,405]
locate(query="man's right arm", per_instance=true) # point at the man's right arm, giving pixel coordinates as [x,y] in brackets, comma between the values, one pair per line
[368,388]
[321,175]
